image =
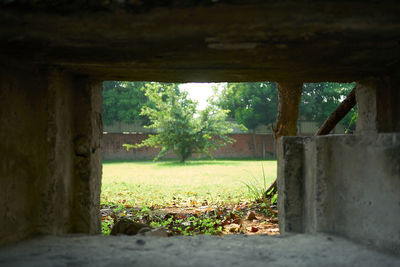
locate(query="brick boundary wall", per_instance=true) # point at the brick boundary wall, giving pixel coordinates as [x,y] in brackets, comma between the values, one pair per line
[243,147]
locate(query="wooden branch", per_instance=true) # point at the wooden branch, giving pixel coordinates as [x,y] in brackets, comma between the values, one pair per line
[339,113]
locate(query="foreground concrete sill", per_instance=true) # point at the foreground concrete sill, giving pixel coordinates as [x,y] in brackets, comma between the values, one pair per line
[238,250]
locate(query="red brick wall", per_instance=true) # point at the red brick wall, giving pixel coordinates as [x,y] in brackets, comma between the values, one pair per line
[242,148]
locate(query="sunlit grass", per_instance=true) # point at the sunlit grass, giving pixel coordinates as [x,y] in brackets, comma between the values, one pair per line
[160,183]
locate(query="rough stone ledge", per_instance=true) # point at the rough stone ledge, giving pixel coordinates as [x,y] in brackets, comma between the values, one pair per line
[238,250]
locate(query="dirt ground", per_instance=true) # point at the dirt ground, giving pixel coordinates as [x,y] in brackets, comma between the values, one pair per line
[247,218]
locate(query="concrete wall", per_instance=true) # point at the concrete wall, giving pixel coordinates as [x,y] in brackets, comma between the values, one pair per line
[46,153]
[50,160]
[23,154]
[346,185]
[242,148]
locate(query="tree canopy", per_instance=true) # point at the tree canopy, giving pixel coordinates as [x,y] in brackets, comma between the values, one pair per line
[249,104]
[179,128]
[319,100]
[123,101]
[256,103]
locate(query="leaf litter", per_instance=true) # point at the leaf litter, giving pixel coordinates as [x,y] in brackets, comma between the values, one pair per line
[194,217]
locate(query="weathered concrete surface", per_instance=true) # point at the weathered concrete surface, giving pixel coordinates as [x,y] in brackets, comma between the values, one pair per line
[205,40]
[378,105]
[290,185]
[88,131]
[296,250]
[345,185]
[23,153]
[40,171]
[53,53]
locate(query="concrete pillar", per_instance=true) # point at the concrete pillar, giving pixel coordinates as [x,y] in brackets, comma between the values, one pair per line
[290,184]
[378,106]
[50,169]
[23,152]
[87,156]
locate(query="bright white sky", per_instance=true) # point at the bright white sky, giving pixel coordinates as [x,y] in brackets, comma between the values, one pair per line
[199,91]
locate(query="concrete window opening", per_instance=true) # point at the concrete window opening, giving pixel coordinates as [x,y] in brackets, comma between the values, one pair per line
[55,55]
[228,191]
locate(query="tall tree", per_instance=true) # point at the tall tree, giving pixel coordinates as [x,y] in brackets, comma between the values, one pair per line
[179,128]
[289,98]
[319,100]
[122,101]
[250,104]
[256,103]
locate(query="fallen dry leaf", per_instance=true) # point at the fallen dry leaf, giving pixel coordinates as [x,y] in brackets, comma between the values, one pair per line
[233,216]
[226,222]
[234,228]
[238,221]
[273,220]
[180,216]
[254,229]
[251,216]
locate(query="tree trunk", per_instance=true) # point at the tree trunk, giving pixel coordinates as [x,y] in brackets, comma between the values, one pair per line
[289,96]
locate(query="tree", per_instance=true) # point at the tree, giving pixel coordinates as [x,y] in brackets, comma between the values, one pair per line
[256,103]
[173,115]
[250,104]
[289,98]
[319,100]
[122,101]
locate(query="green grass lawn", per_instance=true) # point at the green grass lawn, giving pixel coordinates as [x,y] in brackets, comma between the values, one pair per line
[138,183]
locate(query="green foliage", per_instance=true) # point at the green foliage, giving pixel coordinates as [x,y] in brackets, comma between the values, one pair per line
[256,103]
[106,225]
[352,122]
[122,101]
[273,194]
[274,198]
[179,129]
[249,104]
[259,192]
[190,226]
[319,100]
